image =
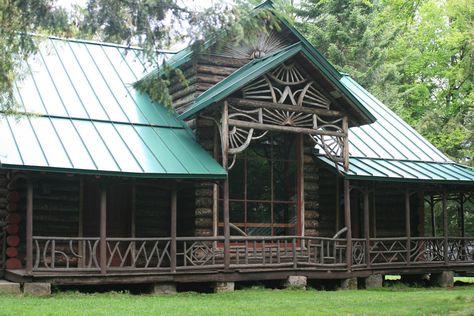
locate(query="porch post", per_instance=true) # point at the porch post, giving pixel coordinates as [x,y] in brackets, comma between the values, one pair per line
[103,229]
[173,228]
[445,224]
[367,226]
[225,150]
[433,219]
[407,224]
[461,215]
[29,226]
[347,219]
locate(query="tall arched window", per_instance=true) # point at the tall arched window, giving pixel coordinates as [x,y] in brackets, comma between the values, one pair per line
[263,187]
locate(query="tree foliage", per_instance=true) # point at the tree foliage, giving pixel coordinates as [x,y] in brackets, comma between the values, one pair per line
[416,56]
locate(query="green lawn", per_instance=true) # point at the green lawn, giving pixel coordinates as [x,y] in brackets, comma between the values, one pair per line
[397,300]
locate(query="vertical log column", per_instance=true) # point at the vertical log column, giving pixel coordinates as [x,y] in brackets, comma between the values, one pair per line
[433,219]
[445,225]
[407,225]
[367,227]
[347,218]
[103,229]
[461,215]
[225,150]
[174,202]
[29,226]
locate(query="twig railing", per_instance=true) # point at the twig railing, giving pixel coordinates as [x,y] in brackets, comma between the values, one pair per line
[422,251]
[246,252]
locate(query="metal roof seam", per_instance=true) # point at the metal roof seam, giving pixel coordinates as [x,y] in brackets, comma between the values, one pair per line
[403,167]
[186,148]
[31,126]
[377,162]
[47,112]
[372,167]
[363,130]
[450,172]
[352,145]
[106,113]
[382,107]
[129,121]
[404,163]
[383,126]
[15,141]
[463,169]
[419,165]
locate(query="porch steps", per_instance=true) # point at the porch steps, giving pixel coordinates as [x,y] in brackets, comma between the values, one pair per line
[7,287]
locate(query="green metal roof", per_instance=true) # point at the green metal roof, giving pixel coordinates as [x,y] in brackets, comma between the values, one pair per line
[257,68]
[87,118]
[404,170]
[391,150]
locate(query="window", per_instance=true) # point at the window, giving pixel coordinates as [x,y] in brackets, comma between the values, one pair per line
[263,194]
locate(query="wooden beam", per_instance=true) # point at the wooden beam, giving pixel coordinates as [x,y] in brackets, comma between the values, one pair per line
[103,229]
[278,106]
[347,218]
[291,129]
[29,227]
[173,227]
[345,149]
[407,224]
[80,232]
[133,213]
[367,226]
[445,226]
[225,151]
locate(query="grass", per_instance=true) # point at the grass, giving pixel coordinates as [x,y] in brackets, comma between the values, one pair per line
[397,300]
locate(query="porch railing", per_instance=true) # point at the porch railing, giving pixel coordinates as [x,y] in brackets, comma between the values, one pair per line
[414,251]
[246,252]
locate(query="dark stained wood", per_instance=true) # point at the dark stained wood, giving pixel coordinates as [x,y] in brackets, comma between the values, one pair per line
[173,228]
[214,70]
[284,107]
[216,60]
[461,215]
[347,218]
[445,226]
[103,230]
[225,150]
[367,226]
[29,227]
[433,219]
[345,154]
[407,224]
[300,130]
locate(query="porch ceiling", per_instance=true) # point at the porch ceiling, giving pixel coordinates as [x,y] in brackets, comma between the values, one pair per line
[84,116]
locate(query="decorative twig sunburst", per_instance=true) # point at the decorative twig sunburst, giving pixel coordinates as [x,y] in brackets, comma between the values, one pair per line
[255,47]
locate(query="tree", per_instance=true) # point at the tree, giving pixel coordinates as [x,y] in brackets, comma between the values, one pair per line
[150,24]
[18,19]
[416,56]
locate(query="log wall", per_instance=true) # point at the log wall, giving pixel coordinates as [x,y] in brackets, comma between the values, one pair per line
[311,178]
[201,73]
[205,135]
[327,202]
[152,211]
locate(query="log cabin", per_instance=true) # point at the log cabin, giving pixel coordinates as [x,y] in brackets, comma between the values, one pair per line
[271,165]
